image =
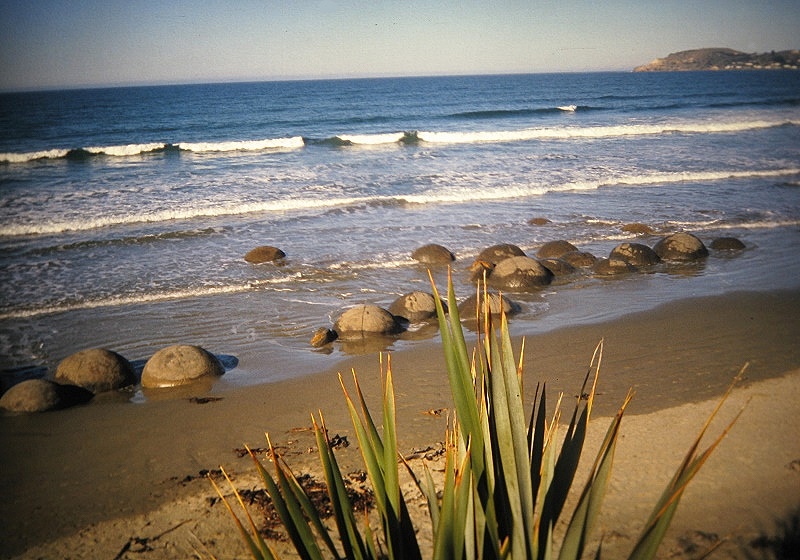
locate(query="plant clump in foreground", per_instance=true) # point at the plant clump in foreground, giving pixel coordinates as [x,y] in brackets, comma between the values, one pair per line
[506,479]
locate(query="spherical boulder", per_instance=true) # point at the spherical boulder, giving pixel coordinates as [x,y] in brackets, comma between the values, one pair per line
[680,247]
[579,259]
[366,320]
[558,267]
[433,254]
[539,221]
[554,249]
[41,395]
[96,369]
[638,228]
[519,274]
[497,253]
[179,364]
[612,266]
[468,309]
[415,307]
[727,244]
[265,253]
[636,254]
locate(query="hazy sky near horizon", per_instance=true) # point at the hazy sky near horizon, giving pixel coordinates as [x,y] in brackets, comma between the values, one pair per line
[59,43]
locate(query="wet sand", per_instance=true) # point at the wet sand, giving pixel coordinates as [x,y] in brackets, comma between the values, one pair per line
[115,477]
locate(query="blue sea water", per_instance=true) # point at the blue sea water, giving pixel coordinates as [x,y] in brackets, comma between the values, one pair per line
[125,212]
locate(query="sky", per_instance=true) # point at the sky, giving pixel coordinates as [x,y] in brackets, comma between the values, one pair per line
[60,43]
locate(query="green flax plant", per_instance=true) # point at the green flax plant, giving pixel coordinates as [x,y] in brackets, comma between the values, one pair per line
[506,478]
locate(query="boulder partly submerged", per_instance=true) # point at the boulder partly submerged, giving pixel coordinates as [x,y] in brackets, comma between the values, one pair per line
[264,253]
[366,320]
[637,254]
[433,254]
[680,247]
[96,369]
[415,307]
[41,395]
[520,274]
[178,365]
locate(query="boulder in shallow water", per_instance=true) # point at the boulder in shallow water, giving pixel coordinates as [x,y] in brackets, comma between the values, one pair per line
[499,252]
[539,221]
[265,253]
[519,274]
[727,244]
[579,259]
[680,247]
[554,249]
[636,254]
[322,337]
[468,309]
[179,364]
[415,307]
[558,267]
[366,320]
[612,266]
[96,369]
[638,228]
[41,395]
[433,254]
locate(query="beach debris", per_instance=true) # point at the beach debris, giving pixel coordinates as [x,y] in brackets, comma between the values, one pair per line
[727,244]
[433,254]
[366,320]
[96,369]
[680,247]
[520,274]
[179,364]
[554,249]
[437,412]
[637,254]
[41,395]
[264,253]
[323,336]
[415,307]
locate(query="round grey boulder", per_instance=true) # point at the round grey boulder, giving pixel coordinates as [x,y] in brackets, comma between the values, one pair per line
[558,267]
[611,267]
[636,254]
[468,309]
[265,253]
[366,320]
[415,307]
[680,247]
[96,369]
[41,395]
[554,249]
[519,274]
[433,254]
[179,364]
[497,253]
[727,244]
[579,259]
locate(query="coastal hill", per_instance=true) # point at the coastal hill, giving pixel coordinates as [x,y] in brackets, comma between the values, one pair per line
[723,59]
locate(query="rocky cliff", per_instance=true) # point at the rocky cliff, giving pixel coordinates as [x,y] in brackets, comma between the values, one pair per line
[723,59]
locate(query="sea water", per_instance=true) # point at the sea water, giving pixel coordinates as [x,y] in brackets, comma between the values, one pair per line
[125,213]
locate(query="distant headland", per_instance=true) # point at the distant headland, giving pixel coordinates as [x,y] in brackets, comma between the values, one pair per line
[723,59]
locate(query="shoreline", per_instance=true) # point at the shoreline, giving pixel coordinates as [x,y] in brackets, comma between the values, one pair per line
[83,481]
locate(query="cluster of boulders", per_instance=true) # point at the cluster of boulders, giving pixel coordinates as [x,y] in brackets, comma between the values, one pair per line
[81,376]
[507,268]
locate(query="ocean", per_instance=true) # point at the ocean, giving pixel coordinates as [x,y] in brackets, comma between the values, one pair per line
[125,213]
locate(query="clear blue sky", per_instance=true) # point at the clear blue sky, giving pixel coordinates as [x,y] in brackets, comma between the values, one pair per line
[53,43]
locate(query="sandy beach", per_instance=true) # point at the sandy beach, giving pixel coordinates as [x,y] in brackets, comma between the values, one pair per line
[114,479]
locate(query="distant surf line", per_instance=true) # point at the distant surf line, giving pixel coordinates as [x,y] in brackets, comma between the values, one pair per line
[274,145]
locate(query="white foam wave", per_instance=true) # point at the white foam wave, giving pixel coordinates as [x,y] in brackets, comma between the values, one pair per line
[126,150]
[595,132]
[291,143]
[31,156]
[156,297]
[372,139]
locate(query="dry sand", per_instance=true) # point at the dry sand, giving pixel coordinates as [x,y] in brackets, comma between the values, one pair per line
[121,480]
